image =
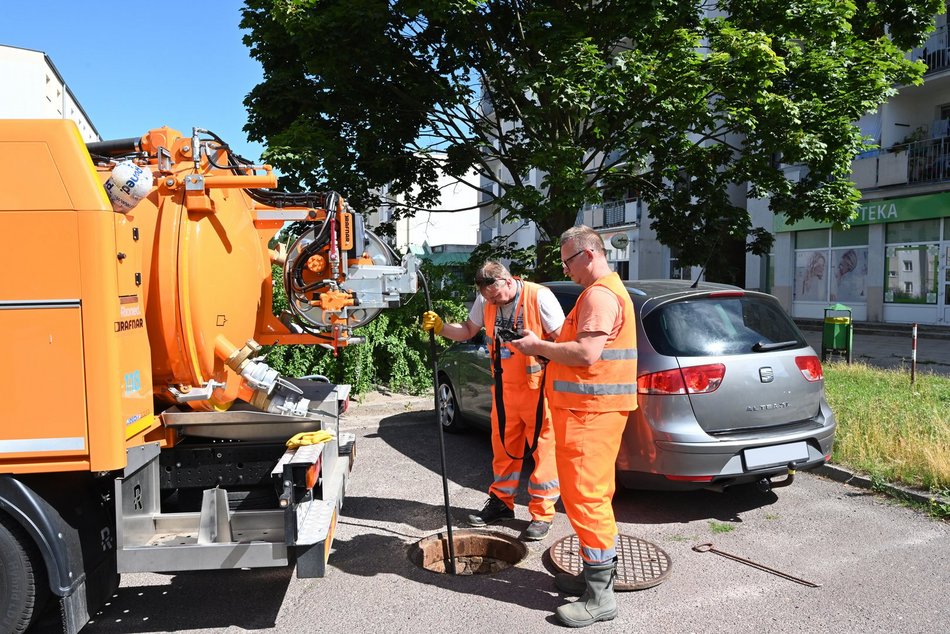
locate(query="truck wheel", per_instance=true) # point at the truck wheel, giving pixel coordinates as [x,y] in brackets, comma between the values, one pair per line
[22,578]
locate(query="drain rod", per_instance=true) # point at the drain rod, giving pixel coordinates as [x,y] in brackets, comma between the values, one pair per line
[450,568]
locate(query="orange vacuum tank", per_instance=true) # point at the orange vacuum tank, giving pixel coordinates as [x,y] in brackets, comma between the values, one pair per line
[202,230]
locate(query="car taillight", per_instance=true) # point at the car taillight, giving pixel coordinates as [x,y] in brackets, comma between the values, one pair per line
[727,294]
[683,478]
[699,379]
[810,367]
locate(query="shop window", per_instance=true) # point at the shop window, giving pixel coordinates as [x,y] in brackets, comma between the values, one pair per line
[853,237]
[814,239]
[849,278]
[912,273]
[836,274]
[811,279]
[917,231]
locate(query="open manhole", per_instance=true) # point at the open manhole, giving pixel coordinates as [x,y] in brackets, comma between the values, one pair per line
[640,564]
[476,552]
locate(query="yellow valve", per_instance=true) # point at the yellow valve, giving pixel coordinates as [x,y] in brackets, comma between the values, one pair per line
[309,438]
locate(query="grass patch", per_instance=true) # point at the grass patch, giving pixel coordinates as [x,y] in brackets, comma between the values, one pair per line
[888,429]
[721,527]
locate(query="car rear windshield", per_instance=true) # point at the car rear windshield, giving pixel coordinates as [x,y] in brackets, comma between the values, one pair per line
[714,326]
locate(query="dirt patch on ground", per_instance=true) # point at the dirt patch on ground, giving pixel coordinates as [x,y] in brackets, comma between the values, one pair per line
[379,404]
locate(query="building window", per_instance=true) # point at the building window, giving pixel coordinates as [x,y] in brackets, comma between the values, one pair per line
[678,272]
[908,266]
[909,288]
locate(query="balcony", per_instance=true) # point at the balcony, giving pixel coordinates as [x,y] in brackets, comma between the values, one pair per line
[611,213]
[935,52]
[926,161]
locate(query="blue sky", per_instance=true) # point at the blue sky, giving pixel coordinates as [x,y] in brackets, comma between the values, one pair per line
[139,65]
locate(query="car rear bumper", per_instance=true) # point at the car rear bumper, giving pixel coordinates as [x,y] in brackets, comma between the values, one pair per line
[673,464]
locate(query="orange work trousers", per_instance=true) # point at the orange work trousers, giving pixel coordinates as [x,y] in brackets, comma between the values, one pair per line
[587,448]
[521,411]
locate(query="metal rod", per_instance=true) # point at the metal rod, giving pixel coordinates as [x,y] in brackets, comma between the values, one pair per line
[450,567]
[708,548]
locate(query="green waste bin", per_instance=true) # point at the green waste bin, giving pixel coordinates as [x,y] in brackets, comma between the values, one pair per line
[837,334]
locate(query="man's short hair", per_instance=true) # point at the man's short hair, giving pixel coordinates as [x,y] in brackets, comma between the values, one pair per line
[584,237]
[489,272]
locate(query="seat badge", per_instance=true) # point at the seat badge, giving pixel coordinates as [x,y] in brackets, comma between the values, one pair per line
[766,375]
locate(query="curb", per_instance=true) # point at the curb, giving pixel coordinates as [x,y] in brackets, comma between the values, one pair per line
[845,476]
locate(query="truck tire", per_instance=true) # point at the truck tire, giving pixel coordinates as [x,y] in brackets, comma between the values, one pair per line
[23,586]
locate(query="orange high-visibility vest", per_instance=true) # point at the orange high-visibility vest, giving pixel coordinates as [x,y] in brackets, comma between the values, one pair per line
[610,383]
[519,368]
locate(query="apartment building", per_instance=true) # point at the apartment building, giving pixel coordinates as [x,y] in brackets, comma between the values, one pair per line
[893,264]
[34,89]
[451,227]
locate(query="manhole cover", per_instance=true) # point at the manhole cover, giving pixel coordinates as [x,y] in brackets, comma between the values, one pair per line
[640,564]
[476,552]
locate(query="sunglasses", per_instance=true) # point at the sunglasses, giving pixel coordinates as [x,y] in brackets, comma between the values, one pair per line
[483,283]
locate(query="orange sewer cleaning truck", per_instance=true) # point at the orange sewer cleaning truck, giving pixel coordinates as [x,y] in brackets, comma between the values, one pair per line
[141,429]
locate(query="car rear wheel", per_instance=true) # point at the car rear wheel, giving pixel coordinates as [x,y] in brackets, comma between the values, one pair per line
[449,414]
[22,578]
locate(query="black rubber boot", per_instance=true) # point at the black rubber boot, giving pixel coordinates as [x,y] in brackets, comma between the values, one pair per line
[598,602]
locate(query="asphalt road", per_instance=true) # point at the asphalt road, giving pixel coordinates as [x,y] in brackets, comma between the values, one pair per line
[882,567]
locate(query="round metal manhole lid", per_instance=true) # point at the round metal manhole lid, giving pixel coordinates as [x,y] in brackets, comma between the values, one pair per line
[640,564]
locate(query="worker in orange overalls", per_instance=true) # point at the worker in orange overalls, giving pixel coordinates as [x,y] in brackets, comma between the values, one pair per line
[506,304]
[592,387]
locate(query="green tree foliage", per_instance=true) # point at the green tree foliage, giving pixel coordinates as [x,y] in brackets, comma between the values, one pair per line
[395,353]
[688,100]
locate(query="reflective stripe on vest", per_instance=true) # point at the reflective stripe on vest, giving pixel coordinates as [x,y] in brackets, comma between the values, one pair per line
[610,383]
[595,388]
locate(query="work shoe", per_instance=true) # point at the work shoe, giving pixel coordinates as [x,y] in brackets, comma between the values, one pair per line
[598,602]
[536,531]
[494,511]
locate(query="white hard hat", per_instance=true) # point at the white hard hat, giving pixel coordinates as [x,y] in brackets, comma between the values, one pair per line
[128,185]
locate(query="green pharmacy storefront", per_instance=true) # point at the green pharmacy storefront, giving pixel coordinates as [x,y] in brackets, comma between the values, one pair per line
[891,265]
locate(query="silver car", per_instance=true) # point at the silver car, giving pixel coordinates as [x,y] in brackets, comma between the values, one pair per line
[729,391]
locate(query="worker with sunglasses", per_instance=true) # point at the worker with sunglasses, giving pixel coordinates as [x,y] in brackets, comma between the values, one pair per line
[521,420]
[592,388]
